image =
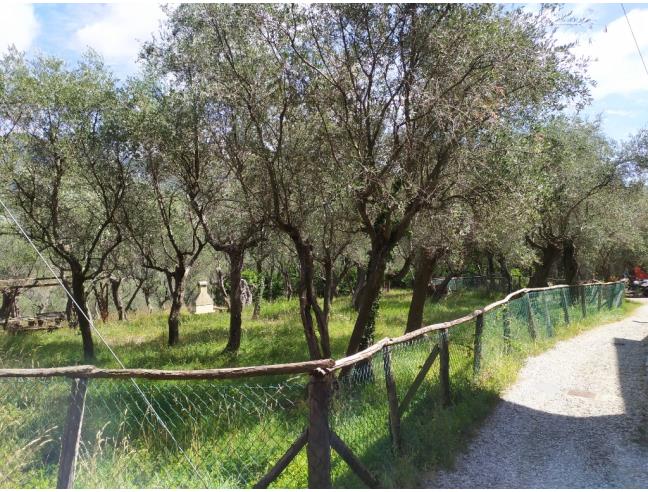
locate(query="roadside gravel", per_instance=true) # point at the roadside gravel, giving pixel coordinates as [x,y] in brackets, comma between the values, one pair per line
[576,417]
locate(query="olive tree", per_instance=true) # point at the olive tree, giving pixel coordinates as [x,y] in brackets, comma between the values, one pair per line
[67,163]
[402,87]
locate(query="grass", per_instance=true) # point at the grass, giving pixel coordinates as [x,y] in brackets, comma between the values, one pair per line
[276,337]
[235,431]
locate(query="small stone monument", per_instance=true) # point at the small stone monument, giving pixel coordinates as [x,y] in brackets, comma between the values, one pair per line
[204,302]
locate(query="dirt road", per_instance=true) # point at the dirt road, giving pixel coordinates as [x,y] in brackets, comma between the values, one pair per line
[576,417]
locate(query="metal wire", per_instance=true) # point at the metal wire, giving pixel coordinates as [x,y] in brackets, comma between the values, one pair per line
[94,328]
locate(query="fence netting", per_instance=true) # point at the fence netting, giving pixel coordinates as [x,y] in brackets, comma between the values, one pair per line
[229,434]
[220,434]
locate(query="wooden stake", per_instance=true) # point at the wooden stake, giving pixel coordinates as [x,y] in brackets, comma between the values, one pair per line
[532,330]
[354,463]
[479,330]
[548,324]
[507,328]
[319,447]
[565,305]
[392,399]
[72,434]
[283,462]
[444,367]
[600,297]
[418,380]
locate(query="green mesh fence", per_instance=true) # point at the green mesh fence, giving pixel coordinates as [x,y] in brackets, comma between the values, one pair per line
[228,434]
[231,433]
[360,409]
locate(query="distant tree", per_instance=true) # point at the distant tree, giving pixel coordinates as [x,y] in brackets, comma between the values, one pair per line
[157,214]
[68,165]
[572,163]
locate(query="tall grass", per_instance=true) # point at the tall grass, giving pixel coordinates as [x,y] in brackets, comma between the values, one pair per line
[234,431]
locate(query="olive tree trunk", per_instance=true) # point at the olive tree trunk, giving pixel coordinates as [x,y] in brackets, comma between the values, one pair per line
[176,282]
[425,263]
[81,308]
[235,304]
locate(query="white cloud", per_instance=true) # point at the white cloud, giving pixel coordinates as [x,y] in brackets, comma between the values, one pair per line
[120,30]
[620,112]
[18,26]
[615,64]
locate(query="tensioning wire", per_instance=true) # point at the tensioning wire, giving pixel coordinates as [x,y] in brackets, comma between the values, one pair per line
[103,340]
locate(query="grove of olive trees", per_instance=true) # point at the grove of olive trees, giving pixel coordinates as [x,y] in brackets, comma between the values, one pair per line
[321,150]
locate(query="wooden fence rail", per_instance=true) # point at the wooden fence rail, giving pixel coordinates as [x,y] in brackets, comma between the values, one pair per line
[318,438]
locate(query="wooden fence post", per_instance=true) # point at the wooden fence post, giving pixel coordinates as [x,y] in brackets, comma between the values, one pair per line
[532,330]
[479,330]
[318,449]
[610,298]
[545,305]
[507,328]
[600,296]
[565,305]
[444,366]
[72,434]
[583,301]
[392,399]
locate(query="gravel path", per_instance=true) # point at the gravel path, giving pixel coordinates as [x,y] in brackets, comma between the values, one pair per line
[576,417]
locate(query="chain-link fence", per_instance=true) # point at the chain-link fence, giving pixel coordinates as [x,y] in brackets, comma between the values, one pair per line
[492,283]
[388,411]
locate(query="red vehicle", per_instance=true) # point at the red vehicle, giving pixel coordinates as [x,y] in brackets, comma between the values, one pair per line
[640,280]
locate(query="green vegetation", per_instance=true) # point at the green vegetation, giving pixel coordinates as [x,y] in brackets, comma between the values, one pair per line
[233,431]
[275,337]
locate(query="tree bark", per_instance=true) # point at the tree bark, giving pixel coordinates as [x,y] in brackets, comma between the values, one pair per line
[176,282]
[258,297]
[146,291]
[115,284]
[570,263]
[220,281]
[337,278]
[361,280]
[504,271]
[308,305]
[81,308]
[542,267]
[400,274]
[235,256]
[425,263]
[328,285]
[369,297]
[490,270]
[288,290]
[441,290]
[9,308]
[129,304]
[101,296]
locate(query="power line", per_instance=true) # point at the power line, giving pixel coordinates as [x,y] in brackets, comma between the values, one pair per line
[83,313]
[635,39]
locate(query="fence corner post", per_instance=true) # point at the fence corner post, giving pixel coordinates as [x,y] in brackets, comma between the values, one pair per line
[72,434]
[444,366]
[318,450]
[479,330]
[392,399]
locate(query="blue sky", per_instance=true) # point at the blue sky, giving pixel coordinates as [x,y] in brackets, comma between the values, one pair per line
[115,31]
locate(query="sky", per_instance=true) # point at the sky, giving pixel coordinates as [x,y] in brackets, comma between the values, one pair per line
[116,30]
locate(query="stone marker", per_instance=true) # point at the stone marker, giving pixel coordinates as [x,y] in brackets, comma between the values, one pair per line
[204,303]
